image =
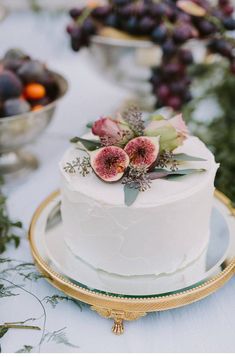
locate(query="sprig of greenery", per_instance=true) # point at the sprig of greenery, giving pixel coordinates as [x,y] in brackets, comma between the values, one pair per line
[7,226]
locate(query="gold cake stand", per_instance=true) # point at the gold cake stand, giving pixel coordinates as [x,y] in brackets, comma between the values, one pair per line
[122,308]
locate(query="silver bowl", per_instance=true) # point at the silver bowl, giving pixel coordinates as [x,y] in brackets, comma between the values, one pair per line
[128,62]
[20,130]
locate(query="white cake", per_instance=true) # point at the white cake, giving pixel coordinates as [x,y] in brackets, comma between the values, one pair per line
[164,231]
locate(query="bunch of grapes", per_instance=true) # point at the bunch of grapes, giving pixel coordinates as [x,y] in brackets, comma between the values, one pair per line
[169,24]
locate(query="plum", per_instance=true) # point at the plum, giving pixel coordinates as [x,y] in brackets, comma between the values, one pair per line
[10,85]
[15,106]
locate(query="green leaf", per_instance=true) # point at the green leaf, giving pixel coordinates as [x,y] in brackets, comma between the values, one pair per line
[89,125]
[90,145]
[161,173]
[25,349]
[3,330]
[185,157]
[131,194]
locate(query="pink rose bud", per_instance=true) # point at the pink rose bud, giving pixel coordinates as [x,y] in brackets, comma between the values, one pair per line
[112,132]
[105,127]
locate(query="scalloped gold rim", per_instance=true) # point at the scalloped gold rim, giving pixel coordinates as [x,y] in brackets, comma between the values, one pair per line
[143,304]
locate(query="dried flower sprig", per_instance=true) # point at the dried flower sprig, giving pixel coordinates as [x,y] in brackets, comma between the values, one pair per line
[137,178]
[134,118]
[82,166]
[165,159]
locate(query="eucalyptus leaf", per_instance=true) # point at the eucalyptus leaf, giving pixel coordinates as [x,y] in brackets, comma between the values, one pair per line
[131,194]
[162,173]
[185,157]
[90,145]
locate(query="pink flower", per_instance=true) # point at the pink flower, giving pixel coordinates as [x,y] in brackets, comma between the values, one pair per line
[172,132]
[112,132]
[105,127]
[179,124]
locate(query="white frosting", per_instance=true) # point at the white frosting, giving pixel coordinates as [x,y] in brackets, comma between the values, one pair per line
[165,229]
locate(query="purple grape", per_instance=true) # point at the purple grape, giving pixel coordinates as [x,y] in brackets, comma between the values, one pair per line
[146,25]
[88,27]
[121,2]
[205,27]
[169,48]
[177,87]
[112,21]
[159,34]
[101,12]
[229,23]
[186,56]
[158,10]
[163,92]
[181,34]
[131,25]
[221,46]
[76,12]
[174,102]
[171,69]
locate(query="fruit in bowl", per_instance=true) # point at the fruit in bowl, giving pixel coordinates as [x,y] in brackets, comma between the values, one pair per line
[181,30]
[26,84]
[29,93]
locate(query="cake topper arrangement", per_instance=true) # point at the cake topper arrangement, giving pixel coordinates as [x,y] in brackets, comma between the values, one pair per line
[134,152]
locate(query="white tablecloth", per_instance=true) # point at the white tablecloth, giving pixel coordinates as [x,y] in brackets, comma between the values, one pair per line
[205,326]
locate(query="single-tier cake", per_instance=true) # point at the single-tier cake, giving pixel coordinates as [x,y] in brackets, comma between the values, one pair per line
[140,205]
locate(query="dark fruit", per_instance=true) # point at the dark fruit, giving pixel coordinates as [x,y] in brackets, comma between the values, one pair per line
[169,48]
[159,34]
[174,102]
[109,163]
[31,71]
[146,25]
[88,27]
[173,68]
[158,10]
[186,56]
[181,34]
[205,27]
[229,23]
[10,85]
[143,150]
[76,12]
[100,12]
[131,25]
[112,21]
[50,84]
[15,106]
[177,87]
[228,9]
[163,92]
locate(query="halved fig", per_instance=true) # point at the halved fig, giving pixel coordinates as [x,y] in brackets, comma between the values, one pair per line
[109,163]
[143,150]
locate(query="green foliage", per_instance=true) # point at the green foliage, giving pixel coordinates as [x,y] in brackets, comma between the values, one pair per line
[25,349]
[219,132]
[7,226]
